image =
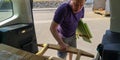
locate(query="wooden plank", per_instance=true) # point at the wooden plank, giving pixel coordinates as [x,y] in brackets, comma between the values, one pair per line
[24,55]
[70,49]
[43,50]
[18,54]
[54,58]
[78,55]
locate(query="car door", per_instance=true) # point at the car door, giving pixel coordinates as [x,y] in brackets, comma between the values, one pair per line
[16,25]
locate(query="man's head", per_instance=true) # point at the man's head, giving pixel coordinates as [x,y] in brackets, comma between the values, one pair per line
[77,5]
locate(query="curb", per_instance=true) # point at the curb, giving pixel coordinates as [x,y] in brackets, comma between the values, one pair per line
[44,9]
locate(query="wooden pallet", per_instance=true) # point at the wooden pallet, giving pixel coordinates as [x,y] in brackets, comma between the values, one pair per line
[102,12]
[79,52]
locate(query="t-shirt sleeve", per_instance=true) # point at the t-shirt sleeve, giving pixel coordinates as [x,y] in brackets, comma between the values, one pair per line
[59,14]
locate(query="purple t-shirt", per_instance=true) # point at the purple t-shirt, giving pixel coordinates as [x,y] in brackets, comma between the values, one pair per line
[66,18]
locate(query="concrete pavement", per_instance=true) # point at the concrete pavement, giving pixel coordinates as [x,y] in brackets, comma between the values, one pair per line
[97,24]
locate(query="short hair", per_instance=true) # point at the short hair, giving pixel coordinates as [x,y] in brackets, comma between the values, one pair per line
[78,0]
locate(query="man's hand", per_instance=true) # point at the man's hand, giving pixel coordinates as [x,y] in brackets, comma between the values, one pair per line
[63,46]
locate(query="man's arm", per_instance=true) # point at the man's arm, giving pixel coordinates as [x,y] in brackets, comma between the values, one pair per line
[53,29]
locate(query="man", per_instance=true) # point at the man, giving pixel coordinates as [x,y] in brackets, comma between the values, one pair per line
[64,24]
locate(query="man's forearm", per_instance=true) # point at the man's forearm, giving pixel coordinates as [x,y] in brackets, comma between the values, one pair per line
[56,36]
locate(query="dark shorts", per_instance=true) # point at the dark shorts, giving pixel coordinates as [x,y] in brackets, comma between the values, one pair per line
[71,41]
